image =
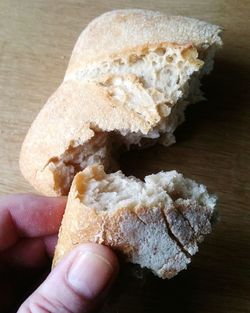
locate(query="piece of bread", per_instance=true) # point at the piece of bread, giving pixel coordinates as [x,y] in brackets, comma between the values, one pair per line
[130,77]
[156,224]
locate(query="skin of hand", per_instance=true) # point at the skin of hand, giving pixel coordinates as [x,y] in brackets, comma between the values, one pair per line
[28,233]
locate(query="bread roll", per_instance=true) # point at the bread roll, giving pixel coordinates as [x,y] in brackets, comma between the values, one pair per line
[156,224]
[130,77]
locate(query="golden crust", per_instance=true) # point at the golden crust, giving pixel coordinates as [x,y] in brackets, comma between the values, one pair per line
[134,28]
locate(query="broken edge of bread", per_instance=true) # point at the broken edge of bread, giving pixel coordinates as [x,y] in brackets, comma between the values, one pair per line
[156,224]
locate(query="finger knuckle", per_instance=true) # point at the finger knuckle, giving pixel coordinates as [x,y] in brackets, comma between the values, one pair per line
[42,304]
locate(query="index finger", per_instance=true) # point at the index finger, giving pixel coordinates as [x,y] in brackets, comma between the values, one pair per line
[28,216]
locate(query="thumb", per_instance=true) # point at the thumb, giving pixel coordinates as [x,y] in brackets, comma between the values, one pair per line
[77,284]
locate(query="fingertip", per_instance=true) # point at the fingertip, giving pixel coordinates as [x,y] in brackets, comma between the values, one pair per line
[60,201]
[32,215]
[50,244]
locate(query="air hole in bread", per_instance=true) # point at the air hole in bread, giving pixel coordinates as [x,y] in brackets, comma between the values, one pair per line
[169,59]
[160,51]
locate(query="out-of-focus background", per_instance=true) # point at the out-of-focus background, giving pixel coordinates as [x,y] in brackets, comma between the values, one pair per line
[213,145]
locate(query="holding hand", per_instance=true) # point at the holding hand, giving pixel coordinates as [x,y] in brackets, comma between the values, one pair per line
[28,234]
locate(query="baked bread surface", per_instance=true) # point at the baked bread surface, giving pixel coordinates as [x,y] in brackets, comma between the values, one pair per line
[156,224]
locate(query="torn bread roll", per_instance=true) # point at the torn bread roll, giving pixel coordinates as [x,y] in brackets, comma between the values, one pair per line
[156,224]
[131,75]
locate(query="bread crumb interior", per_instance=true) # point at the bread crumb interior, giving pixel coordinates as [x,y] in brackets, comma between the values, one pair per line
[110,192]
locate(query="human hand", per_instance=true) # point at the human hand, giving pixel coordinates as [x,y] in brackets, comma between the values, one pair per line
[28,234]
